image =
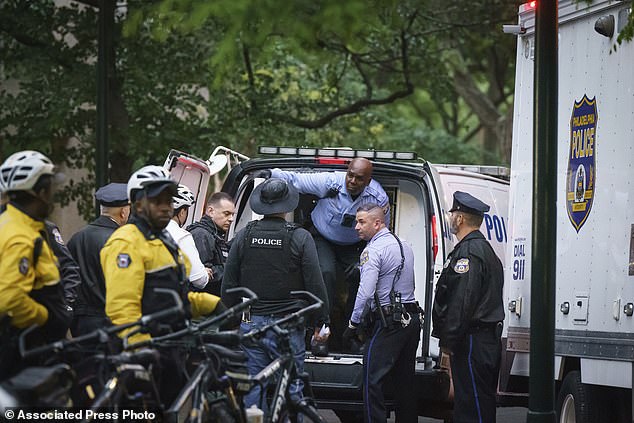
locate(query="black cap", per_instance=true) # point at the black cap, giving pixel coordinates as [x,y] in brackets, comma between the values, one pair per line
[467,203]
[274,196]
[154,190]
[112,195]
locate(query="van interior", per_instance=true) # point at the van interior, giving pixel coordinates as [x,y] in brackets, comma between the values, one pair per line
[408,221]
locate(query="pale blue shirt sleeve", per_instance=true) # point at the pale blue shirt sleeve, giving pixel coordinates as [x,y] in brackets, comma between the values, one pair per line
[306,183]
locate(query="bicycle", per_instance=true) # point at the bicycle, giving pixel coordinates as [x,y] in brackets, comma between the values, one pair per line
[208,395]
[282,370]
[104,379]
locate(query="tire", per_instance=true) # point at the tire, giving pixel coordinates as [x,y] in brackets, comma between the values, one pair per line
[346,416]
[580,403]
[307,412]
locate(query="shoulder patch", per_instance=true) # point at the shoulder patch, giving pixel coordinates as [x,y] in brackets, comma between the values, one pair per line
[57,236]
[462,266]
[123,261]
[365,256]
[23,265]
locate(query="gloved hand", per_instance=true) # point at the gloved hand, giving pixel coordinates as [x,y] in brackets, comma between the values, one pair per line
[265,173]
[350,334]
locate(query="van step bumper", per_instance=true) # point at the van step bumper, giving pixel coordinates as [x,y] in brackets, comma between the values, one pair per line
[337,380]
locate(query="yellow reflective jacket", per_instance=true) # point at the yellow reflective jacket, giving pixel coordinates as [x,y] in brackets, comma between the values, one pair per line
[133,263]
[18,277]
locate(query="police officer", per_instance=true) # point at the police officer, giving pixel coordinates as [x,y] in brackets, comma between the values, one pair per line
[30,288]
[141,256]
[468,313]
[70,277]
[272,258]
[333,218]
[85,246]
[386,290]
[210,237]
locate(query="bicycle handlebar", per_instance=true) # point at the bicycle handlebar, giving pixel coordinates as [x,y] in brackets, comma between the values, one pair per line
[101,335]
[193,329]
[317,304]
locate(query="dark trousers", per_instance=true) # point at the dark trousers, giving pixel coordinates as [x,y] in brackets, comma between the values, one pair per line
[347,257]
[391,350]
[475,366]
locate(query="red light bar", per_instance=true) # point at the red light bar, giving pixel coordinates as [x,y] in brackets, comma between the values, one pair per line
[532,4]
[330,160]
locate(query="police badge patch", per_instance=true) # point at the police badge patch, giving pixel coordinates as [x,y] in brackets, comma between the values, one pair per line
[364,258]
[123,261]
[58,236]
[581,175]
[462,266]
[23,266]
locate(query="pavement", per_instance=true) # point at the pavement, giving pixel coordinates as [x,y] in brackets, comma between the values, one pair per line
[504,415]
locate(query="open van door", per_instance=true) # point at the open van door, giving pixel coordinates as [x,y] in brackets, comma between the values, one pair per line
[195,173]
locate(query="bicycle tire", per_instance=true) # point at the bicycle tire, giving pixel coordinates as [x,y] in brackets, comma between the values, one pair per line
[308,413]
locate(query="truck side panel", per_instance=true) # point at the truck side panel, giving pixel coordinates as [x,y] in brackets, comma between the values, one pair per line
[595,201]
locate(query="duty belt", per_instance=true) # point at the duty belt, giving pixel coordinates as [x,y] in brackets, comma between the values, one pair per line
[408,307]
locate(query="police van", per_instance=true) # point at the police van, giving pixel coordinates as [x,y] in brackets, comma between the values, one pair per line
[420,195]
[594,315]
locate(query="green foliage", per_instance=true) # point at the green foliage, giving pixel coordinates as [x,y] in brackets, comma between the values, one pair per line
[191,75]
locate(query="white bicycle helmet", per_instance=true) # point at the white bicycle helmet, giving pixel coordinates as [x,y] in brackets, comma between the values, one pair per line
[183,198]
[21,170]
[147,175]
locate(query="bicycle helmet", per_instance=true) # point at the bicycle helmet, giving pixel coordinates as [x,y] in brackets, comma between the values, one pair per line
[21,170]
[183,198]
[150,176]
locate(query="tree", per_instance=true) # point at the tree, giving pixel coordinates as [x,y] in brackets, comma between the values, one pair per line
[192,75]
[364,54]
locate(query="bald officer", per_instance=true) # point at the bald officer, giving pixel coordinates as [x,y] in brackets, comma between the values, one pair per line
[85,246]
[387,288]
[468,313]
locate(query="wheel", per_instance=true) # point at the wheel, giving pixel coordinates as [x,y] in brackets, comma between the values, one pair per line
[305,412]
[580,403]
[347,416]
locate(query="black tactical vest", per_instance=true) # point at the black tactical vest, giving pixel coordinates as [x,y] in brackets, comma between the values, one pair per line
[174,278]
[267,268]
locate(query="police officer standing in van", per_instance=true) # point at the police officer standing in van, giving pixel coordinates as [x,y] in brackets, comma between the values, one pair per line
[333,218]
[468,313]
[272,258]
[386,291]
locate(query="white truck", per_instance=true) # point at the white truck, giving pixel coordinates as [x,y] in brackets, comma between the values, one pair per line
[420,194]
[594,328]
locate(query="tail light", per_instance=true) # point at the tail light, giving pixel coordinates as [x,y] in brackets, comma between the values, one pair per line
[434,236]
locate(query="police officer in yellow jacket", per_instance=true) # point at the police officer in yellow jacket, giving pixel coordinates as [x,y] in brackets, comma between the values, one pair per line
[141,256]
[30,288]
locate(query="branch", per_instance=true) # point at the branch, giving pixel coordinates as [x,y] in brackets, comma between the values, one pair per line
[355,107]
[477,101]
[364,103]
[10,28]
[93,3]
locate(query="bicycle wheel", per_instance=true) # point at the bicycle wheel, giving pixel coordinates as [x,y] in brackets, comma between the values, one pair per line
[302,413]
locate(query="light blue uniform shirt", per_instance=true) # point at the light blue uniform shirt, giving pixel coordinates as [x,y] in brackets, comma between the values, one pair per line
[329,211]
[379,262]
